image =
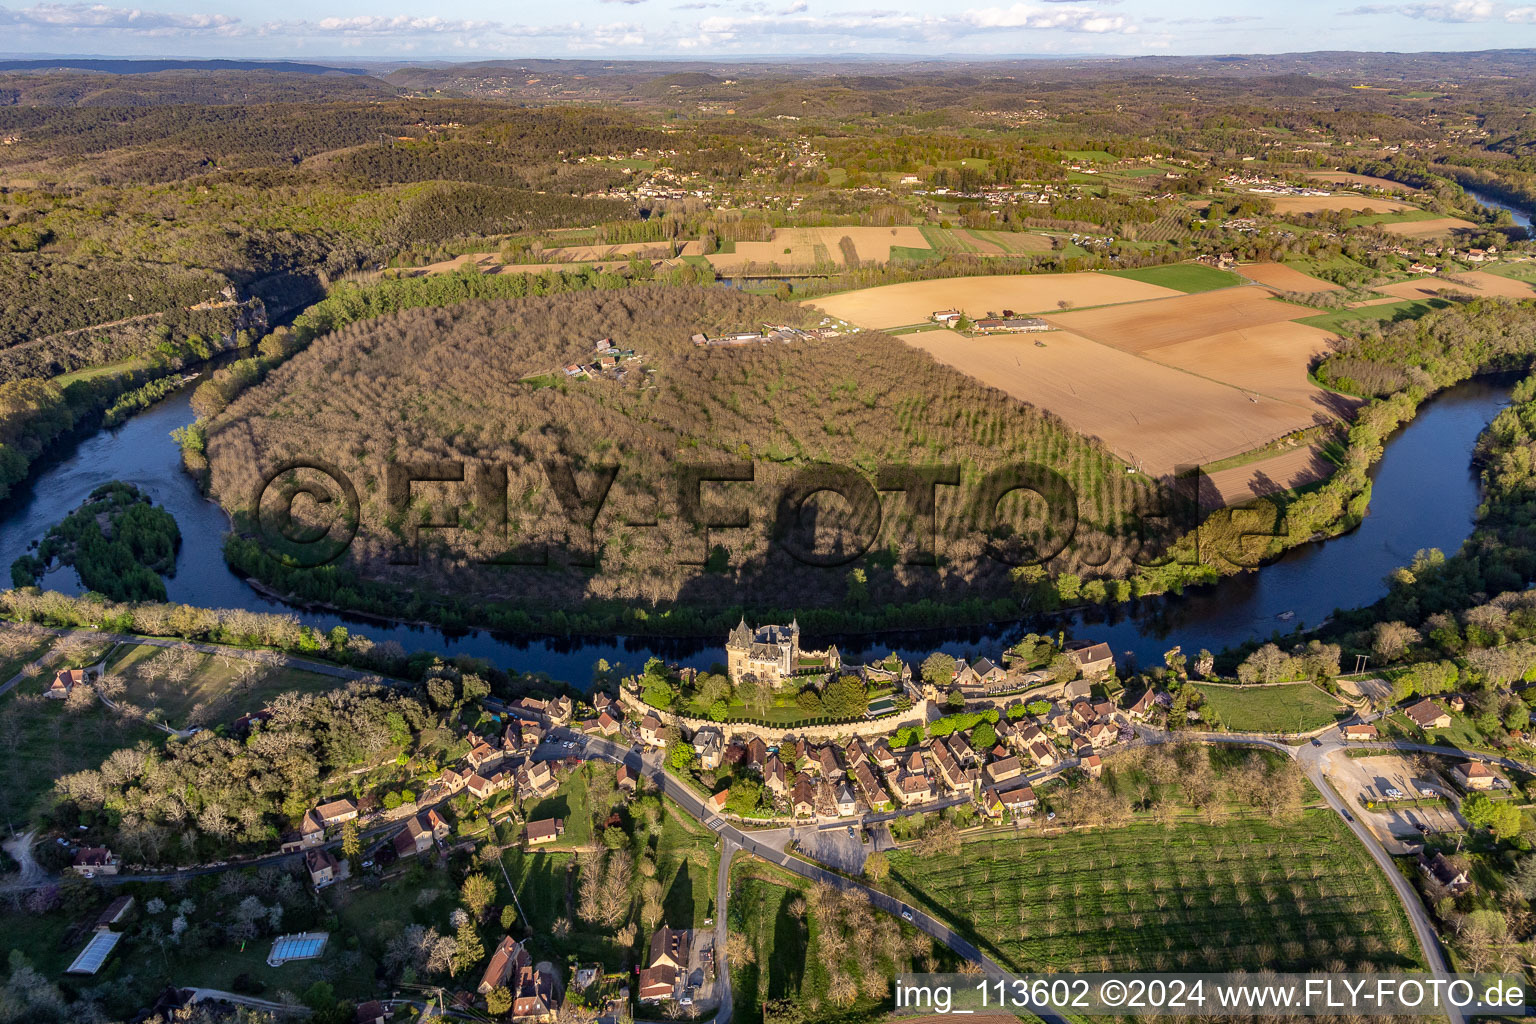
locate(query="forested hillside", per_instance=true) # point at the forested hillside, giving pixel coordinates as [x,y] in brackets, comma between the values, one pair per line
[482,381]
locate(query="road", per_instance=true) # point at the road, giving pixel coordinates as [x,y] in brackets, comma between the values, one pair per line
[733,839]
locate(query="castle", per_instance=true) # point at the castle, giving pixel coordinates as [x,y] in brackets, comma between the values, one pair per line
[772,654]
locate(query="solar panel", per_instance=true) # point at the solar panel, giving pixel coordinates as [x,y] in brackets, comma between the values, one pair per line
[95,953]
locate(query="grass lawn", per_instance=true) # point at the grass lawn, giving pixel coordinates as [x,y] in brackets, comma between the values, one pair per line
[1243,895]
[569,803]
[1298,707]
[796,954]
[217,687]
[1523,271]
[912,254]
[1184,277]
[44,741]
[1343,320]
[1088,155]
[686,864]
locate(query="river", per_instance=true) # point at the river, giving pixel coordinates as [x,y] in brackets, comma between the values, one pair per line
[1425,495]
[1522,218]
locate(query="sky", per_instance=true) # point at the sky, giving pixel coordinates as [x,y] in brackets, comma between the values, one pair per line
[477,29]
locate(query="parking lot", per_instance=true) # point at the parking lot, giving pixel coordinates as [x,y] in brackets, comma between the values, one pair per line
[1376,779]
[834,847]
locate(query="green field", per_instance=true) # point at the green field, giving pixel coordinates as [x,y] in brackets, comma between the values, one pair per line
[45,741]
[947,240]
[1247,894]
[216,687]
[1298,707]
[810,955]
[1343,320]
[1087,155]
[1184,277]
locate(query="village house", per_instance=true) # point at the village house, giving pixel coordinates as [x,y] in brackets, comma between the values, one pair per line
[1091,765]
[1102,734]
[1358,731]
[311,832]
[757,754]
[960,749]
[627,778]
[91,861]
[1475,775]
[324,868]
[544,831]
[869,787]
[508,956]
[337,811]
[64,682]
[1003,770]
[1094,661]
[774,776]
[489,784]
[1043,753]
[709,744]
[481,755]
[912,788]
[538,778]
[371,1012]
[1455,880]
[607,724]
[452,780]
[980,677]
[1142,709]
[802,799]
[1018,800]
[1426,714]
[651,729]
[716,803]
[826,762]
[667,961]
[846,803]
[533,995]
[419,833]
[883,756]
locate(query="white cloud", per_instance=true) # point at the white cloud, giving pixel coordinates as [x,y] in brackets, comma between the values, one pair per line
[1453,11]
[101,17]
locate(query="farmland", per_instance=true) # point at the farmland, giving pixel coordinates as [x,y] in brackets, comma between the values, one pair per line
[1285,279]
[1347,178]
[1140,327]
[1476,283]
[1246,894]
[1429,228]
[898,305]
[1158,416]
[1321,204]
[804,247]
[1176,380]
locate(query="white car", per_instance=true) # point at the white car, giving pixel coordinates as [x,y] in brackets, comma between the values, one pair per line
[906,913]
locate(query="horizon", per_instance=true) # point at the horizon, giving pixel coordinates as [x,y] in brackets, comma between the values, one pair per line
[472,30]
